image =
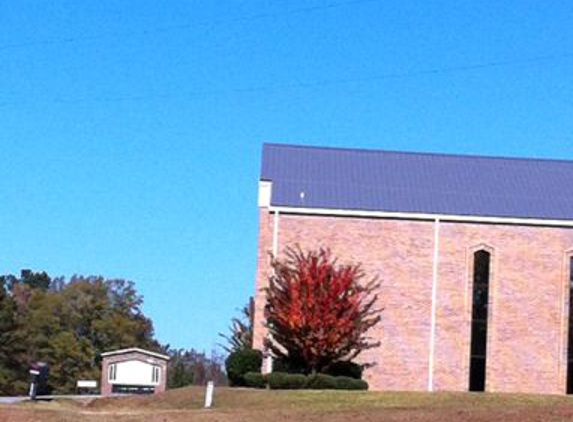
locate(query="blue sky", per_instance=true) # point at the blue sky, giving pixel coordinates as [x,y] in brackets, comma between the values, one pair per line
[131,131]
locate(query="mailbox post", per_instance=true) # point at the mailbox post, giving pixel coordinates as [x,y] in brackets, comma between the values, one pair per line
[34,374]
[38,380]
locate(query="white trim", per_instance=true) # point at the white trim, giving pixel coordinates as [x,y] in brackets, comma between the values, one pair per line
[135,350]
[434,304]
[265,193]
[276,234]
[268,359]
[422,216]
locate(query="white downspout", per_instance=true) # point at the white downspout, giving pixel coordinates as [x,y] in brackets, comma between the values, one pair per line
[268,365]
[434,304]
[276,234]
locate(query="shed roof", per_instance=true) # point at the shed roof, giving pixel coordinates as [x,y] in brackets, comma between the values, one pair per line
[443,184]
[135,350]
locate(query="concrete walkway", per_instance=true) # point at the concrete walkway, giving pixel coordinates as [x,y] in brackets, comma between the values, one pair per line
[20,399]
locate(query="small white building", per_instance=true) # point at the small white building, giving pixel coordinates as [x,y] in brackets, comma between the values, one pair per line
[133,371]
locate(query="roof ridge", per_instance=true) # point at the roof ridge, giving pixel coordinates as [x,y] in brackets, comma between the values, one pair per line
[423,154]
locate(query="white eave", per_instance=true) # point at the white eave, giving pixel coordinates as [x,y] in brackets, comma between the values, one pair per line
[135,350]
[265,193]
[422,216]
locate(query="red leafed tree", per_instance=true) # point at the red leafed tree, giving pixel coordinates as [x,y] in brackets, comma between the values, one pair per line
[318,311]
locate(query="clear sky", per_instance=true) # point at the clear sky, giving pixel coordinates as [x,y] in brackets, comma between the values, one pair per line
[131,131]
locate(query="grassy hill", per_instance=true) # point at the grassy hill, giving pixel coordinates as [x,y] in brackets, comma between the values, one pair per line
[240,405]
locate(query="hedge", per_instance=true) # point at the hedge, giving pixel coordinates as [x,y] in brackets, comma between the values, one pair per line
[240,362]
[255,380]
[345,369]
[285,381]
[347,383]
[321,382]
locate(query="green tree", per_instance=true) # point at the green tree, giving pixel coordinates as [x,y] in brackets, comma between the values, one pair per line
[67,325]
[10,344]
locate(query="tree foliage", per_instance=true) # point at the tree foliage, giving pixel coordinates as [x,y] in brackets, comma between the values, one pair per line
[67,324]
[241,362]
[241,330]
[190,367]
[319,311]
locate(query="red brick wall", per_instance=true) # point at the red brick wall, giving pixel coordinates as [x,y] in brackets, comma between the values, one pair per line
[528,297]
[106,387]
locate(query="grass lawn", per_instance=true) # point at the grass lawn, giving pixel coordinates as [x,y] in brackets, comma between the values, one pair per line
[241,405]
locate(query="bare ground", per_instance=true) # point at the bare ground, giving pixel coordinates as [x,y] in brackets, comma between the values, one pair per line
[239,405]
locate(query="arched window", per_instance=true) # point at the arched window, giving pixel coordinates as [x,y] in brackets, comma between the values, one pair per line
[478,348]
[570,339]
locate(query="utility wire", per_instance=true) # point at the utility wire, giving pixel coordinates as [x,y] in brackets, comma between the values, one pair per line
[181,27]
[311,84]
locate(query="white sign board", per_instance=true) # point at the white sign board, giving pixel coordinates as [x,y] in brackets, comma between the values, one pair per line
[87,384]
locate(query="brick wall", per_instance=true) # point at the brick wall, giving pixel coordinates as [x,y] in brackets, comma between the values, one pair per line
[527,330]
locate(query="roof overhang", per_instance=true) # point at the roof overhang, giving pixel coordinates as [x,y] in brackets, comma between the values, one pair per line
[421,216]
[135,350]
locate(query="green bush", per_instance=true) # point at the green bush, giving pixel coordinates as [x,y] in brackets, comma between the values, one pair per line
[255,380]
[287,365]
[347,383]
[285,381]
[321,382]
[345,369]
[240,362]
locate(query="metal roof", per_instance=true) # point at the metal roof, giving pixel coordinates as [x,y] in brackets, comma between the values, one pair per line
[135,350]
[374,180]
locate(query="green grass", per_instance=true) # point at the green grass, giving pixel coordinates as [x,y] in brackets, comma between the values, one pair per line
[239,405]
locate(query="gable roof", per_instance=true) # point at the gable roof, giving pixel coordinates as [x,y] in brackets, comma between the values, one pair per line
[442,184]
[137,351]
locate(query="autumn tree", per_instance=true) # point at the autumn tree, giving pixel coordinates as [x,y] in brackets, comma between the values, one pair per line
[319,311]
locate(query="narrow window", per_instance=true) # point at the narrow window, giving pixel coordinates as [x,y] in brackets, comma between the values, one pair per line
[112,372]
[478,349]
[570,339]
[155,374]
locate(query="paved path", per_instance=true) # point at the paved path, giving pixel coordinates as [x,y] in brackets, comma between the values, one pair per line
[11,400]
[19,399]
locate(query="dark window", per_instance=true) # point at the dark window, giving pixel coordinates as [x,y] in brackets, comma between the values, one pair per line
[570,340]
[112,372]
[478,349]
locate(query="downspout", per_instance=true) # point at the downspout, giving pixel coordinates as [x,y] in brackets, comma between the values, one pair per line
[268,365]
[434,304]
[276,234]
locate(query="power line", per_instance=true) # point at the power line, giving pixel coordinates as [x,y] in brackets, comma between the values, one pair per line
[311,84]
[181,27]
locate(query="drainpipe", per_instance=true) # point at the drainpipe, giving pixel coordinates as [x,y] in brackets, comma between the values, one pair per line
[268,364]
[434,304]
[276,234]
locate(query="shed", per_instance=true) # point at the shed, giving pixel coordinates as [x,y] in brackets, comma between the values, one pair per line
[133,371]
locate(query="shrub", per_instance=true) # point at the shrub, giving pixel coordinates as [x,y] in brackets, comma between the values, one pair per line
[240,362]
[345,369]
[321,382]
[284,364]
[255,380]
[285,381]
[347,383]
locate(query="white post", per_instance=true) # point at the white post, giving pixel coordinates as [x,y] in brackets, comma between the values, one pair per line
[209,393]
[434,304]
[268,358]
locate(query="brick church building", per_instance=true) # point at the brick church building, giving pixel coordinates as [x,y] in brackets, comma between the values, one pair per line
[474,254]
